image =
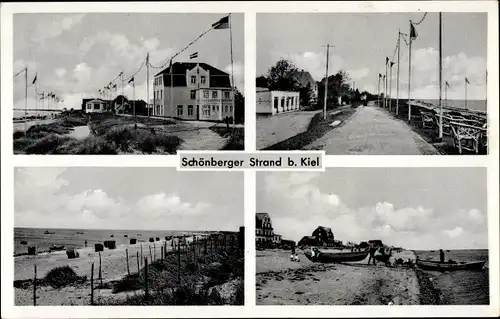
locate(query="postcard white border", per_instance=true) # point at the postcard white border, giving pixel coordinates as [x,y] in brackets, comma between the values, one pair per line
[250,309]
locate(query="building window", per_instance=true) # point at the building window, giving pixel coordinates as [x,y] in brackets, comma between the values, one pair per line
[230,108]
[97,106]
[213,108]
[193,79]
[89,106]
[193,95]
[206,110]
[161,94]
[190,110]
[217,108]
[226,94]
[203,79]
[214,94]
[179,110]
[205,94]
[225,109]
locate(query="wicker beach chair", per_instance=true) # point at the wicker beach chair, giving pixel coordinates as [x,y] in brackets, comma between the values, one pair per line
[427,119]
[466,137]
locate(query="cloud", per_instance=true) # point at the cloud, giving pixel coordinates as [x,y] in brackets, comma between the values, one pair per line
[56,26]
[239,74]
[297,205]
[42,200]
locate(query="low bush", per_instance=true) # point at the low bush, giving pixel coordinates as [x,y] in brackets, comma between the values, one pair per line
[91,145]
[62,276]
[49,144]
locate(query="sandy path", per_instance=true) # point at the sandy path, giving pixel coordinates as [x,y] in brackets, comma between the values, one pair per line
[282,282]
[373,131]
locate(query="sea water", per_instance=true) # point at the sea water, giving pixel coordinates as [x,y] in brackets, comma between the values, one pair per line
[477,105]
[460,287]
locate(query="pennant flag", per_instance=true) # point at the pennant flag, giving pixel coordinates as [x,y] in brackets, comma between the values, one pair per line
[392,63]
[413,32]
[114,86]
[222,23]
[379,75]
[131,80]
[447,84]
[467,80]
[34,80]
[194,55]
[386,60]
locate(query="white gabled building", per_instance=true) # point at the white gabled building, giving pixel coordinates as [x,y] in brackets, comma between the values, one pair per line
[275,102]
[95,106]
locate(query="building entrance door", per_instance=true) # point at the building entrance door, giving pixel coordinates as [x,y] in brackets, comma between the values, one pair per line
[197,112]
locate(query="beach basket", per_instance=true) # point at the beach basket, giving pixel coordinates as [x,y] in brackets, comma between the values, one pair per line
[110,244]
[133,241]
[151,239]
[72,254]
[157,238]
[99,247]
[31,250]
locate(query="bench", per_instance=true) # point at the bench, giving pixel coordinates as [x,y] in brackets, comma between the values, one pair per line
[467,137]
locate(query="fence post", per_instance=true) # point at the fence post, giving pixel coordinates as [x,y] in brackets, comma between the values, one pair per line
[100,272]
[92,284]
[179,264]
[150,254]
[128,269]
[146,288]
[141,254]
[154,252]
[34,286]
[138,268]
[161,254]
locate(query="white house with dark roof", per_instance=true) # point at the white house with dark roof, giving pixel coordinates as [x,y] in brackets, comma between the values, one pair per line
[275,102]
[193,91]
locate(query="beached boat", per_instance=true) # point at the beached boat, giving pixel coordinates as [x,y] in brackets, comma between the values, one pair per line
[48,232]
[439,266]
[325,257]
[56,247]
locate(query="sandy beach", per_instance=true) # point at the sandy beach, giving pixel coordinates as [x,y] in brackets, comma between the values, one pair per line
[113,263]
[280,281]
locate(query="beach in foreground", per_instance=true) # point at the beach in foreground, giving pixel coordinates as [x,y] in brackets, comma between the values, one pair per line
[283,282]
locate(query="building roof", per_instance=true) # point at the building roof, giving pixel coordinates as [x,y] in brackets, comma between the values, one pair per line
[218,78]
[304,77]
[262,215]
[262,89]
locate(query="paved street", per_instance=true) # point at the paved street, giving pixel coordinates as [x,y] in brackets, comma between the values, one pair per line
[372,131]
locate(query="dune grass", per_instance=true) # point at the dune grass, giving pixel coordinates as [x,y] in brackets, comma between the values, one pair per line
[236,137]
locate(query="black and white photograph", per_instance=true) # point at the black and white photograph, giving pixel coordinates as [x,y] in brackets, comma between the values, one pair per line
[397,83]
[127,83]
[372,236]
[89,236]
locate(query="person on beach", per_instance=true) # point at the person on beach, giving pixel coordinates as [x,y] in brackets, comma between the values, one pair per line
[85,243]
[372,251]
[441,255]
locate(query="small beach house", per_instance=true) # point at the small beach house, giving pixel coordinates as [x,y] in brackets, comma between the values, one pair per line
[274,102]
[95,106]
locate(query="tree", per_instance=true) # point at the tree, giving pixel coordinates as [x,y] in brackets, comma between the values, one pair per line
[306,95]
[282,76]
[261,81]
[337,86]
[239,107]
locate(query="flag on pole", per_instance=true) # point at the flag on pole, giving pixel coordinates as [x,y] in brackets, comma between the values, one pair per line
[467,80]
[386,60]
[114,86]
[413,31]
[34,80]
[222,23]
[379,75]
[194,55]
[447,84]
[131,80]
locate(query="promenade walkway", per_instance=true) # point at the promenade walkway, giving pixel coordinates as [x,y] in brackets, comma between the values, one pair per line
[372,131]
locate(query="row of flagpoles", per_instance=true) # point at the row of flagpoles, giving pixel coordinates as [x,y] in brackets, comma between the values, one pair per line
[389,63]
[109,92]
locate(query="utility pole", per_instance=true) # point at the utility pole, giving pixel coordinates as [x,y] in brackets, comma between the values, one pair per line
[385,84]
[440,79]
[147,81]
[378,90]
[25,98]
[326,80]
[409,75]
[390,84]
[397,80]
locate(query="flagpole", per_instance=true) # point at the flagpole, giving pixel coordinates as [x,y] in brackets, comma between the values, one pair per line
[397,80]
[133,94]
[147,81]
[25,98]
[446,94]
[409,76]
[440,76]
[172,107]
[232,68]
[466,93]
[486,99]
[385,84]
[378,91]
[390,85]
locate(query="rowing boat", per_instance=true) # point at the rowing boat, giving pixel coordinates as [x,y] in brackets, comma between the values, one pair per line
[325,257]
[439,266]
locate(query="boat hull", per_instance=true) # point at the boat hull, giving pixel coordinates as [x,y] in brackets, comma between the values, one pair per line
[438,266]
[339,257]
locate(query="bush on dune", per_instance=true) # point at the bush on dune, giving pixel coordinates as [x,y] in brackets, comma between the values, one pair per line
[49,144]
[91,145]
[62,276]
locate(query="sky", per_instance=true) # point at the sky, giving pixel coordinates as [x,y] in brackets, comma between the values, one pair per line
[127,198]
[75,55]
[362,41]
[416,208]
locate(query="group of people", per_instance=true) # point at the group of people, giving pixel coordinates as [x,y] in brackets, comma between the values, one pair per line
[294,256]
[372,250]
